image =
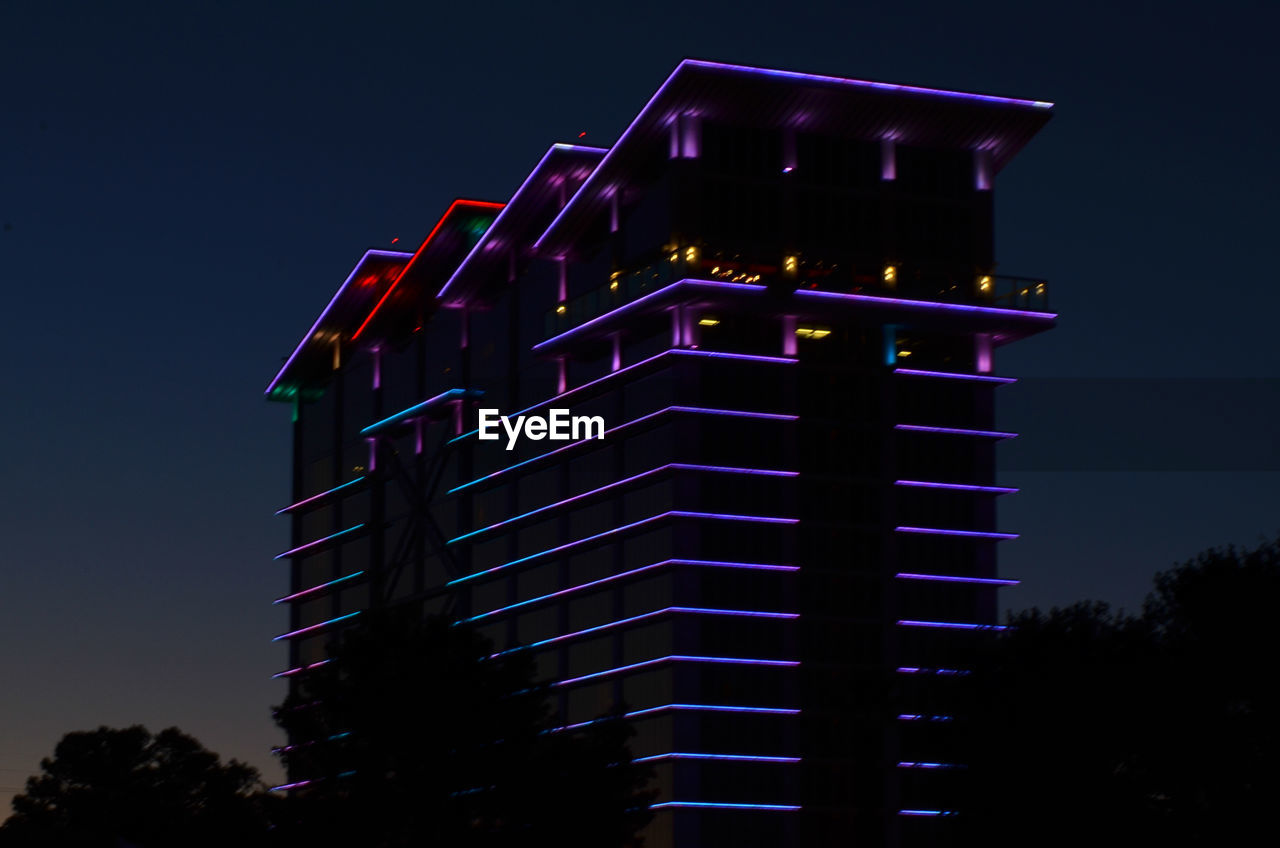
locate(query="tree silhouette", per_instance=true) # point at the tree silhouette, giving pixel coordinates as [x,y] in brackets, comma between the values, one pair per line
[1106,729]
[112,786]
[415,734]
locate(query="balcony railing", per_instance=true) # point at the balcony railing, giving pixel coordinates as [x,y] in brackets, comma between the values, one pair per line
[1020,293]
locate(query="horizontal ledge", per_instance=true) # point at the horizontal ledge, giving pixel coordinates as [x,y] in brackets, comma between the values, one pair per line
[956,487]
[969,534]
[952,375]
[955,431]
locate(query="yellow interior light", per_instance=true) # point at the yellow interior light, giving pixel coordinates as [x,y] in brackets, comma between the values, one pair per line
[904,353]
[560,309]
[708,322]
[890,274]
[790,263]
[691,254]
[984,284]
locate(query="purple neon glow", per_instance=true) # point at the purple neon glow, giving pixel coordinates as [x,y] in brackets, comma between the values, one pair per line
[927,304]
[949,625]
[675,513]
[969,534]
[733,758]
[749,566]
[675,351]
[951,375]
[644,115]
[926,812]
[693,410]
[921,765]
[324,494]
[671,466]
[939,672]
[316,627]
[946,578]
[633,304]
[319,588]
[955,431]
[710,708]
[923,717]
[786,616]
[310,545]
[284,786]
[718,805]
[622,669]
[484,241]
[310,333]
[419,408]
[300,669]
[957,487]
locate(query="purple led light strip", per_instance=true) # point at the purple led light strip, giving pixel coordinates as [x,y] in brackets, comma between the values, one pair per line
[955,431]
[676,658]
[968,534]
[788,616]
[749,566]
[675,351]
[957,487]
[675,513]
[291,672]
[633,304]
[927,304]
[310,545]
[926,812]
[946,578]
[693,410]
[951,375]
[920,765]
[671,466]
[319,588]
[939,672]
[332,301]
[315,627]
[324,494]
[923,717]
[949,625]
[719,805]
[709,708]
[482,242]
[418,408]
[734,758]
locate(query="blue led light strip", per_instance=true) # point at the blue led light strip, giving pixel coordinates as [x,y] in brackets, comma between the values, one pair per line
[291,672]
[318,588]
[955,431]
[937,672]
[622,669]
[671,466]
[313,498]
[945,578]
[717,805]
[957,487]
[695,410]
[420,409]
[909,765]
[923,717]
[951,375]
[788,616]
[675,351]
[315,627]
[675,513]
[733,758]
[748,566]
[310,545]
[950,625]
[970,534]
[709,708]
[926,812]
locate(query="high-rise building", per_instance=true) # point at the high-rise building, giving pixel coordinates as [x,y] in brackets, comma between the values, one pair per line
[777,295]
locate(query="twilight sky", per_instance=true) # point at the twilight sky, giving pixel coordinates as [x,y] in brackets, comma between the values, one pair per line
[183,186]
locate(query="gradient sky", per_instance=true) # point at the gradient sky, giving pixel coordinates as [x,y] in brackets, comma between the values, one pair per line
[183,186]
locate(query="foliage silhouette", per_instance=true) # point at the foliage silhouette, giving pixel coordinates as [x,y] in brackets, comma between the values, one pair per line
[1109,729]
[110,786]
[414,734]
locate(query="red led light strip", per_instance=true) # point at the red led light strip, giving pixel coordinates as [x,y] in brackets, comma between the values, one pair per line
[475,204]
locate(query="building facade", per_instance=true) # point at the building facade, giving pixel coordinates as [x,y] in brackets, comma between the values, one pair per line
[777,294]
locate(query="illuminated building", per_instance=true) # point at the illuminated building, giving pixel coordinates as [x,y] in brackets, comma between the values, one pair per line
[779,292]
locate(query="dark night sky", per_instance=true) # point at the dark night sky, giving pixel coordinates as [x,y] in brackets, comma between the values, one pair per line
[182,187]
